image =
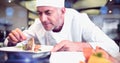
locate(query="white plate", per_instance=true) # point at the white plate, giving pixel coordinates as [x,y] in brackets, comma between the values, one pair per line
[15,51]
[43,48]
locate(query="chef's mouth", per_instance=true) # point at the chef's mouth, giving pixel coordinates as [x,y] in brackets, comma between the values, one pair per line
[46,25]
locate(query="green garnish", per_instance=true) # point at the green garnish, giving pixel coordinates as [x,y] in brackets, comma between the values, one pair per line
[22,47]
[99,54]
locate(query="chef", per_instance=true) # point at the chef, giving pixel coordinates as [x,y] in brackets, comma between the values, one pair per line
[64,28]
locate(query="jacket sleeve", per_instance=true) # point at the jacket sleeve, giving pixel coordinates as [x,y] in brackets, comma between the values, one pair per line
[96,37]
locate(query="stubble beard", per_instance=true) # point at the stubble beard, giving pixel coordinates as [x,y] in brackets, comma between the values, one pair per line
[58,28]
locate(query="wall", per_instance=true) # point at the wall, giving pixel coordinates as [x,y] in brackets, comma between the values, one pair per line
[18,19]
[2,16]
[107,23]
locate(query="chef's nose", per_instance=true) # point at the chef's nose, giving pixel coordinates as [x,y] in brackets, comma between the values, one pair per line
[43,17]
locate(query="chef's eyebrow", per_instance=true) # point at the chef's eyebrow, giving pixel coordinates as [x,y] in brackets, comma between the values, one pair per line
[38,11]
[46,12]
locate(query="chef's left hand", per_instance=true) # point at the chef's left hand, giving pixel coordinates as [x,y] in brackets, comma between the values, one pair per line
[67,45]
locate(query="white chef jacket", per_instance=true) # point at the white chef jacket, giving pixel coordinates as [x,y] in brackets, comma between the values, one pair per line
[77,28]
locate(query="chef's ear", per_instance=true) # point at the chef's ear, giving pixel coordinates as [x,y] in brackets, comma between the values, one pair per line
[63,10]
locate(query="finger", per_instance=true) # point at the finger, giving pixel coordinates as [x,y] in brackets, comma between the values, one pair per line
[12,38]
[64,49]
[37,46]
[15,34]
[58,47]
[22,36]
[10,43]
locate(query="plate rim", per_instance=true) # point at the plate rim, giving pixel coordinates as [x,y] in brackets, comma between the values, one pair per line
[2,49]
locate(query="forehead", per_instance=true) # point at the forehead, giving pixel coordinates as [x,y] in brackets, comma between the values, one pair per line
[44,8]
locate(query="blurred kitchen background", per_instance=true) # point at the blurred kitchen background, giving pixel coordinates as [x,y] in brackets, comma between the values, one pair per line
[22,13]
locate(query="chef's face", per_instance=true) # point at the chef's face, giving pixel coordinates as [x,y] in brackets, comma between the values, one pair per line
[51,17]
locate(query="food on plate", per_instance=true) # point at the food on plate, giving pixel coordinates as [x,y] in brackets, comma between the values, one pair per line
[30,46]
[97,55]
[37,48]
[98,58]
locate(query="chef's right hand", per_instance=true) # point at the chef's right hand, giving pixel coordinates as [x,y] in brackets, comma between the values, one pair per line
[16,36]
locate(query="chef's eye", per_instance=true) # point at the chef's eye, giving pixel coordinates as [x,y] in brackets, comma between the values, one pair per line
[39,13]
[48,12]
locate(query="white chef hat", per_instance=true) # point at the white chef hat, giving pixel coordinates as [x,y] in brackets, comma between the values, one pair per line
[53,3]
